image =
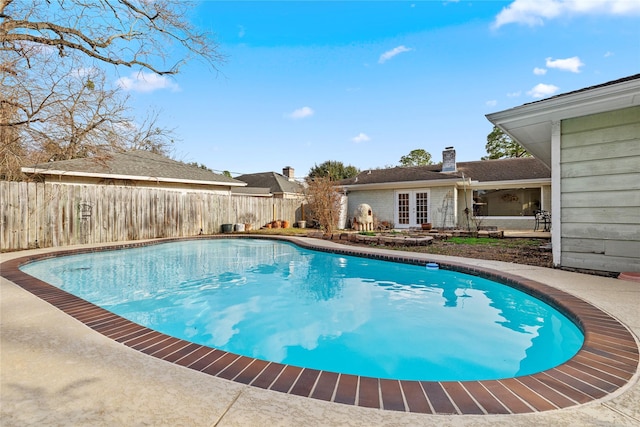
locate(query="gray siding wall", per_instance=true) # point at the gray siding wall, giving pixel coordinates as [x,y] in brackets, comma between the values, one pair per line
[600,191]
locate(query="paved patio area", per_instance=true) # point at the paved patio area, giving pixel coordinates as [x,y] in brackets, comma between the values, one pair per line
[55,370]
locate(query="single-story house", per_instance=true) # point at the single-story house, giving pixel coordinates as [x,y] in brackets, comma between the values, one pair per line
[468,195]
[281,186]
[130,196]
[590,140]
[134,168]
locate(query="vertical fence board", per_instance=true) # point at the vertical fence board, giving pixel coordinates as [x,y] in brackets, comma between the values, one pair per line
[55,214]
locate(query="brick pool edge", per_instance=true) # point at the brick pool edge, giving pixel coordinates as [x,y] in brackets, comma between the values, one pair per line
[606,362]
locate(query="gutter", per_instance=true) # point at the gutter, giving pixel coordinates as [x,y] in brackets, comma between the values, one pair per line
[131,177]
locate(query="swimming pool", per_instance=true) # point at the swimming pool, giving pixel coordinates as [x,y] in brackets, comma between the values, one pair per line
[605,364]
[275,301]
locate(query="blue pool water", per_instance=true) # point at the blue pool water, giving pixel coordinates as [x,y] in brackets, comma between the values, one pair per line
[275,301]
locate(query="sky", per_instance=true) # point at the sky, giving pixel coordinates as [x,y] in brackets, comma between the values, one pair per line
[365,83]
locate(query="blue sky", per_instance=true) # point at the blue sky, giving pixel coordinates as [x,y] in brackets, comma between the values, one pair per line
[365,83]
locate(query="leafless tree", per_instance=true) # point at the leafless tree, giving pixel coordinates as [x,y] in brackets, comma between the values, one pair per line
[120,32]
[12,151]
[87,119]
[54,100]
[324,202]
[56,112]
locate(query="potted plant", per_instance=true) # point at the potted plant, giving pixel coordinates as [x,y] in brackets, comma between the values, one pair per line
[248,219]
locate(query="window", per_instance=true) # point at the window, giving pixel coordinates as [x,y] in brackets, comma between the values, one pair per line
[507,202]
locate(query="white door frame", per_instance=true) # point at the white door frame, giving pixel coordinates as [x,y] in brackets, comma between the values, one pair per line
[411,207]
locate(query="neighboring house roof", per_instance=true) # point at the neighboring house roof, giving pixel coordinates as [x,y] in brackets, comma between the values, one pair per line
[134,165]
[532,124]
[275,182]
[523,168]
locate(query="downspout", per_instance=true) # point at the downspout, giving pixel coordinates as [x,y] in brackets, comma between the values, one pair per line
[556,206]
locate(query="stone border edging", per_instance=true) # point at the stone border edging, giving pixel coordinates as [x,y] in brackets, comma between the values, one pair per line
[606,362]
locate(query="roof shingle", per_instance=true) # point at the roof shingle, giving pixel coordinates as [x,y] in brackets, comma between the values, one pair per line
[138,163]
[274,181]
[482,170]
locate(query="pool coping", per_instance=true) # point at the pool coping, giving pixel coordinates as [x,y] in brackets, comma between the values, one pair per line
[606,363]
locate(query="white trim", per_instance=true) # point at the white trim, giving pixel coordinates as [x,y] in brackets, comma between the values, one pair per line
[521,183]
[556,181]
[129,177]
[219,191]
[412,206]
[269,195]
[530,124]
[402,184]
[582,103]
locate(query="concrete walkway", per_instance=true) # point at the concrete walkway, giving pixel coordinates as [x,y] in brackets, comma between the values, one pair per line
[56,371]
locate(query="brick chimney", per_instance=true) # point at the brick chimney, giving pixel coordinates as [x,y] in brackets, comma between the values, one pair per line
[288,172]
[449,160]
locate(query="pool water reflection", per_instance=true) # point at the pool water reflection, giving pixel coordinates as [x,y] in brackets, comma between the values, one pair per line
[275,301]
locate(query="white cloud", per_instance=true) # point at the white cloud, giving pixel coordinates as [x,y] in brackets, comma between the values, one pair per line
[393,52]
[514,94]
[492,103]
[361,137]
[146,82]
[608,54]
[539,71]
[542,90]
[301,113]
[572,64]
[535,12]
[241,31]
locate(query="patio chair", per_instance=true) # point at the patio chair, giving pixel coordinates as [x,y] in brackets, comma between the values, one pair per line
[543,219]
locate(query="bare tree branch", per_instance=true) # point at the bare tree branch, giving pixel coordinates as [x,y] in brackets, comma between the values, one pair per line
[116,32]
[49,110]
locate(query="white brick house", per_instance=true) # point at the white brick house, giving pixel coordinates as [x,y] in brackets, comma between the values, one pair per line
[495,193]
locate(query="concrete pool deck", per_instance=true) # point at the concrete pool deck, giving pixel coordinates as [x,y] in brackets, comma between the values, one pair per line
[55,370]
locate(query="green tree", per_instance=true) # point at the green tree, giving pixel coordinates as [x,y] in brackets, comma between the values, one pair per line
[500,145]
[417,157]
[333,170]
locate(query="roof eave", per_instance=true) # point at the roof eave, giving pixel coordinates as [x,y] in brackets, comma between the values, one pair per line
[530,124]
[607,98]
[402,184]
[32,170]
[512,183]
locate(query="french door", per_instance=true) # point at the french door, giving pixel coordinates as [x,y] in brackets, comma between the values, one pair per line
[412,208]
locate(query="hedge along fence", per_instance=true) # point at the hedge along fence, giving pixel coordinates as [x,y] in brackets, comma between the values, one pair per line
[54,214]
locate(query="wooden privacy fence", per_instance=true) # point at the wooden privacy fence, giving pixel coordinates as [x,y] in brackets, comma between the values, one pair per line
[54,214]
